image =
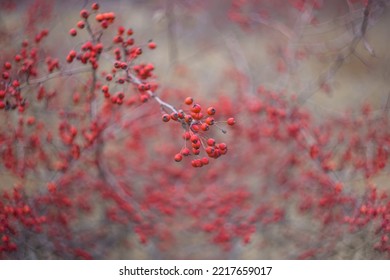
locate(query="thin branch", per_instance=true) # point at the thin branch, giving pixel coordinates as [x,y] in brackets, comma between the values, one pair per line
[333,69]
[54,75]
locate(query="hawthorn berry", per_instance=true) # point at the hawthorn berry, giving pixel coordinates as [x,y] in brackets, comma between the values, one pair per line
[84,14]
[73,32]
[204,126]
[81,24]
[152,45]
[196,108]
[185,152]
[211,142]
[95,6]
[205,161]
[188,100]
[210,121]
[211,111]
[178,157]
[166,117]
[231,121]
[7,65]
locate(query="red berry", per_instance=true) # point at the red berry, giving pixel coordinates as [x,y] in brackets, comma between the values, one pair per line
[231,121]
[196,108]
[211,111]
[210,121]
[188,119]
[7,65]
[72,53]
[174,116]
[73,32]
[204,126]
[5,75]
[84,13]
[187,135]
[166,117]
[211,142]
[81,24]
[210,150]
[178,157]
[222,146]
[188,100]
[196,145]
[99,17]
[185,151]
[95,6]
[18,58]
[194,138]
[152,45]
[197,163]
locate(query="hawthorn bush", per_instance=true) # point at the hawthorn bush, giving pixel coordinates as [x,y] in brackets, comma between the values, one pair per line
[261,131]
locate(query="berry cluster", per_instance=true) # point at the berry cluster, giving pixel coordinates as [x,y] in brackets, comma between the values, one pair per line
[17,73]
[15,217]
[124,70]
[196,124]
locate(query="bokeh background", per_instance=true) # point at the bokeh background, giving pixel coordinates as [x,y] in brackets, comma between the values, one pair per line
[204,51]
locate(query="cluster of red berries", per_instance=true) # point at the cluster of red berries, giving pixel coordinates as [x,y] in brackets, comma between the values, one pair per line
[24,66]
[90,50]
[124,72]
[15,217]
[125,52]
[105,19]
[196,125]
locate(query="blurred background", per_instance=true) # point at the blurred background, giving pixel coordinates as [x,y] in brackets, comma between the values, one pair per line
[221,53]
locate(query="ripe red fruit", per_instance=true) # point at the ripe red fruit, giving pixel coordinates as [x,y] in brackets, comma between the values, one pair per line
[209,120]
[7,65]
[185,151]
[222,146]
[99,17]
[196,108]
[188,100]
[194,138]
[211,142]
[18,57]
[5,75]
[73,32]
[211,111]
[231,121]
[81,24]
[152,45]
[186,135]
[174,116]
[188,119]
[166,117]
[178,157]
[204,126]
[95,6]
[84,13]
